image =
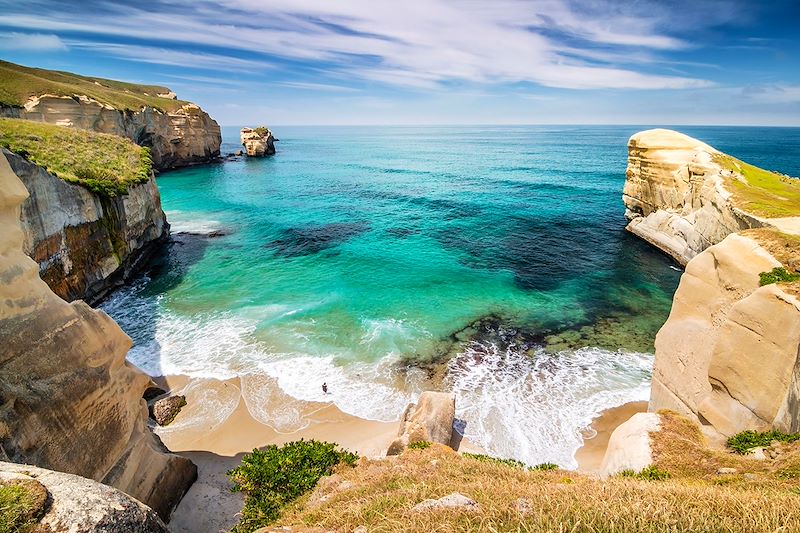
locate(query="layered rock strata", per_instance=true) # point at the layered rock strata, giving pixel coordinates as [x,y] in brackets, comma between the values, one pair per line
[86,244]
[70,402]
[257,142]
[674,194]
[186,136]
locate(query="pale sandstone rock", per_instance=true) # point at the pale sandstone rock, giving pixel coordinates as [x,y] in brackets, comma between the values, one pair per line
[80,505]
[72,402]
[629,446]
[727,357]
[87,245]
[454,501]
[674,195]
[179,138]
[257,144]
[429,420]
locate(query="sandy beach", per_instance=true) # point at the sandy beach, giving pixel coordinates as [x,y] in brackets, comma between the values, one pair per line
[220,423]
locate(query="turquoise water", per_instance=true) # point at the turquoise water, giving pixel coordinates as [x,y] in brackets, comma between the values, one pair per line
[384,261]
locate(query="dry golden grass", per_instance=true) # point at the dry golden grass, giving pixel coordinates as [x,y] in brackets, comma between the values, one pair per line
[383,492]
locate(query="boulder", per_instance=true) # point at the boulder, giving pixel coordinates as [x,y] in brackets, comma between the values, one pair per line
[629,446]
[429,420]
[454,501]
[165,410]
[77,504]
[257,142]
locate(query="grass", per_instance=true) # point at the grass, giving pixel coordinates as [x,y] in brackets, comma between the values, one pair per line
[22,504]
[379,494]
[747,440]
[649,473]
[103,163]
[761,192]
[777,275]
[783,247]
[19,83]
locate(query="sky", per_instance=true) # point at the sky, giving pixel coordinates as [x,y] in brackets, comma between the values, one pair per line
[343,62]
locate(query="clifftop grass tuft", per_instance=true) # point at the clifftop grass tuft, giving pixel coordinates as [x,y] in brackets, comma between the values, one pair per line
[19,83]
[22,504]
[103,163]
[761,192]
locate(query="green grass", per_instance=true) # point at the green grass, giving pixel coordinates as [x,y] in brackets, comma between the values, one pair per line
[19,83]
[761,192]
[649,473]
[419,445]
[496,460]
[274,477]
[777,275]
[21,505]
[103,163]
[747,440]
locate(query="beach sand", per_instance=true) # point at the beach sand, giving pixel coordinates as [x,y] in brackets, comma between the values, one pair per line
[219,425]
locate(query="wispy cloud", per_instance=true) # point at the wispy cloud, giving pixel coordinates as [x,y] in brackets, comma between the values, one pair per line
[422,44]
[34,42]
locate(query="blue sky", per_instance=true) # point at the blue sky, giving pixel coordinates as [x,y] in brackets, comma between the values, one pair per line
[284,62]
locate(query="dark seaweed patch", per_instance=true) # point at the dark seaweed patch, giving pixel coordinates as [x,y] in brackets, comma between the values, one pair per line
[309,240]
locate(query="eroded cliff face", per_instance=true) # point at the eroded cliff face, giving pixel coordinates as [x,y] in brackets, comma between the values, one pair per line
[184,137]
[728,357]
[86,244]
[70,402]
[674,194]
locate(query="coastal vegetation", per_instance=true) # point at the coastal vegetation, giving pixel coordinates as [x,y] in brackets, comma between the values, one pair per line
[777,275]
[274,476]
[19,83]
[761,192]
[747,440]
[103,163]
[22,504]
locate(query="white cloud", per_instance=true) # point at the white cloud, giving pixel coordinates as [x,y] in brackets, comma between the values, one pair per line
[33,42]
[422,44]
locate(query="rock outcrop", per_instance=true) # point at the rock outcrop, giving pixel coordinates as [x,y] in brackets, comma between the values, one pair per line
[77,504]
[186,136]
[728,356]
[429,420]
[70,401]
[257,142]
[629,446]
[86,244]
[675,197]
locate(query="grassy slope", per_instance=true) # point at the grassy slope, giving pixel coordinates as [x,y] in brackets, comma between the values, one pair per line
[760,191]
[19,83]
[696,498]
[103,163]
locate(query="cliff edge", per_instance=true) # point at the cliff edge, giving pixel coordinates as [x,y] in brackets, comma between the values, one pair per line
[178,133]
[70,402]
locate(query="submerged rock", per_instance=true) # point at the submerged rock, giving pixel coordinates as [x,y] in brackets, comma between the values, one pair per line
[429,420]
[258,142]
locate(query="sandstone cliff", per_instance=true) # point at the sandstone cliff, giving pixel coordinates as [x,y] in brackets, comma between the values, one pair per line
[257,142]
[86,244]
[675,196]
[70,402]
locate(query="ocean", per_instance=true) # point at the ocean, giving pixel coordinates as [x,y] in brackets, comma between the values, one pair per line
[490,261]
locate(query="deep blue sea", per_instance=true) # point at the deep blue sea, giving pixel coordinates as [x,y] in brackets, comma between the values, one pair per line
[490,261]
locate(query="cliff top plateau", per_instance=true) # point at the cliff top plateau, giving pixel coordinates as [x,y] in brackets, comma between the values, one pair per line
[20,84]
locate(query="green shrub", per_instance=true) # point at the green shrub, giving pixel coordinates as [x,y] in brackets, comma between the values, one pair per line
[778,275]
[649,473]
[419,445]
[261,130]
[489,459]
[22,505]
[545,466]
[747,440]
[273,477]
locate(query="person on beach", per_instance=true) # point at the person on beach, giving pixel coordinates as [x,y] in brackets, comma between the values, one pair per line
[325,388]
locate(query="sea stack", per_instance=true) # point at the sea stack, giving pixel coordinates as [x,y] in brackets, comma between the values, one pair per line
[258,142]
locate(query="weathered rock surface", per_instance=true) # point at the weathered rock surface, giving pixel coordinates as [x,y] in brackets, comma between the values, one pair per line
[70,402]
[165,410]
[81,505]
[257,142]
[674,194]
[86,244]
[429,420]
[629,446]
[455,501]
[728,356]
[184,137]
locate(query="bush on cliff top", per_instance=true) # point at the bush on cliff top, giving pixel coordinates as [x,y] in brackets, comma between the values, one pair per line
[777,275]
[19,83]
[274,476]
[747,440]
[103,163]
